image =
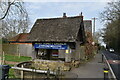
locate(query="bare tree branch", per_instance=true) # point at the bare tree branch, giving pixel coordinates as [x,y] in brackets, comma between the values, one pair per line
[15,20]
[9,5]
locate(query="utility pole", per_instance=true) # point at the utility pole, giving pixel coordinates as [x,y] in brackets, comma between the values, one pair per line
[94,19]
[0,42]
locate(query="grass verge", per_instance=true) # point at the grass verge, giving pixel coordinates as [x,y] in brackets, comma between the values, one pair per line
[14,58]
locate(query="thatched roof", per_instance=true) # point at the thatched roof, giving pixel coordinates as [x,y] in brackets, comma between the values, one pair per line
[64,29]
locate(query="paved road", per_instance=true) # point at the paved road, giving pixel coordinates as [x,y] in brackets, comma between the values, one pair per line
[114,61]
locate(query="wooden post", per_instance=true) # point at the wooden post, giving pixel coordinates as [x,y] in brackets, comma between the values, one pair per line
[0,60]
[22,74]
[48,74]
[3,60]
[18,51]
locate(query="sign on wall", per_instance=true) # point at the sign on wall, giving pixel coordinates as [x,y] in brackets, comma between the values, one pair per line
[50,46]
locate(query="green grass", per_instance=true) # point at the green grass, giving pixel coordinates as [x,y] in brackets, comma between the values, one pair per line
[11,73]
[14,58]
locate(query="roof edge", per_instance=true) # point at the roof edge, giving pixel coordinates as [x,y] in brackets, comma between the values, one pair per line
[61,18]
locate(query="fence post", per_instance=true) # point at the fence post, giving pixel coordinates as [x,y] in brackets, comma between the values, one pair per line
[18,51]
[3,60]
[0,60]
[48,74]
[22,74]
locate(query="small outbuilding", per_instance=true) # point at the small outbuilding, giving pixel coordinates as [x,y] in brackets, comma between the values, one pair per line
[58,38]
[19,45]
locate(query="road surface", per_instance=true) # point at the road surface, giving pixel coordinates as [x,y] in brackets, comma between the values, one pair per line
[114,61]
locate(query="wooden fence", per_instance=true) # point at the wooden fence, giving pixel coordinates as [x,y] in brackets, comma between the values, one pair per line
[18,49]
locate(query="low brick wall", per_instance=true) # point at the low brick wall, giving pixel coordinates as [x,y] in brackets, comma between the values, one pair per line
[52,65]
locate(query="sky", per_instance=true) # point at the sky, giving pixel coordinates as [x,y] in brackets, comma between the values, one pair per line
[39,10]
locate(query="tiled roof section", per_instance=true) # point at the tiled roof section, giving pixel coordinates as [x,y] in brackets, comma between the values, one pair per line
[56,29]
[20,37]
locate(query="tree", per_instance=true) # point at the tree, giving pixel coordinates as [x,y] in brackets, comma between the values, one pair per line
[111,12]
[111,17]
[112,35]
[14,18]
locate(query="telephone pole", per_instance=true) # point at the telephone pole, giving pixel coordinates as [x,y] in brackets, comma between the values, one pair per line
[94,19]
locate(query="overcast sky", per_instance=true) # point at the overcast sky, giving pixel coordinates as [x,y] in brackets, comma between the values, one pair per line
[38,10]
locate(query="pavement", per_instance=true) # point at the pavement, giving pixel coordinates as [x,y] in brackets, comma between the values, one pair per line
[90,69]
